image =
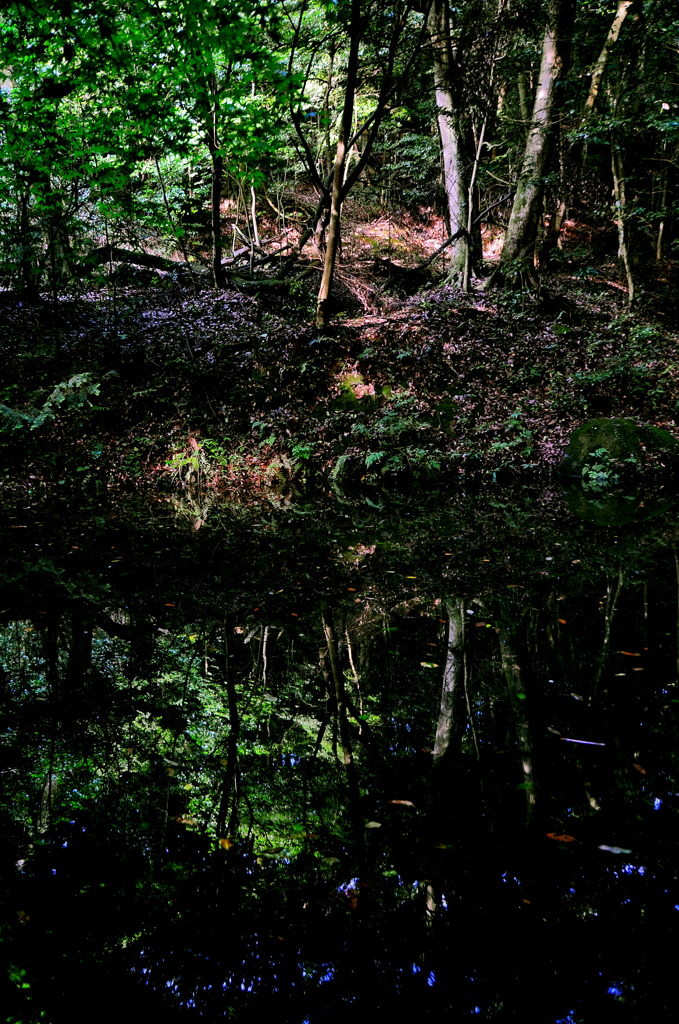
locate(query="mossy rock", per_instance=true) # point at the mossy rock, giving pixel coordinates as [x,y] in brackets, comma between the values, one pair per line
[622,443]
[353,394]
[616,509]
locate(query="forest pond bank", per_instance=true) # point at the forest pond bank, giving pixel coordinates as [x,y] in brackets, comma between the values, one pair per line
[225,392]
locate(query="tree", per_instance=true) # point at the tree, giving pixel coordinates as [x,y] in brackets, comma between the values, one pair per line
[217,55]
[166,76]
[448,94]
[371,56]
[355,28]
[522,228]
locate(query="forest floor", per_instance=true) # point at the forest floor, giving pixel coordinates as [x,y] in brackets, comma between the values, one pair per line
[229,390]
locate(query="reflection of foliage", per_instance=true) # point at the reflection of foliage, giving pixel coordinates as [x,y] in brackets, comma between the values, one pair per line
[600,471]
[72,395]
[201,663]
[518,436]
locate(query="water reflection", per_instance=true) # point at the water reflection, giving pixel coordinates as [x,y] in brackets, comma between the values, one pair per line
[292,767]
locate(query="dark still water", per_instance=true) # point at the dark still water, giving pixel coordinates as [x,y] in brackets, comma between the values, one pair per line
[291,765]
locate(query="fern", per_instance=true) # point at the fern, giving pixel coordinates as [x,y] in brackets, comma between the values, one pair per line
[373,457]
[70,395]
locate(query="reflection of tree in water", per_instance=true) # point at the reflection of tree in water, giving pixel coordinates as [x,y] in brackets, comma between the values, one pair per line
[216,807]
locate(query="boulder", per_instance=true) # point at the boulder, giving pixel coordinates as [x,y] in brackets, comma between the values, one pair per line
[603,452]
[617,471]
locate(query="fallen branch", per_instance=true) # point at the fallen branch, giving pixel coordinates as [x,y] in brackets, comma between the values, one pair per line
[110,254]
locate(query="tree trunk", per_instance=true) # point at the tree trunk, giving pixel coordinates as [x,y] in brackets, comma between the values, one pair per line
[218,275]
[523,98]
[450,131]
[333,238]
[227,814]
[354,798]
[620,202]
[600,66]
[217,177]
[552,233]
[558,215]
[452,709]
[521,232]
[518,698]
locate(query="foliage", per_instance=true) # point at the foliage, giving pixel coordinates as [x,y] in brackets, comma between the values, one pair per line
[117,754]
[600,471]
[70,396]
[73,168]
[265,85]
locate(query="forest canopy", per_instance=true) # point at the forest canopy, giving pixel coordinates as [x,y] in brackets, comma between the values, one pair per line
[188,131]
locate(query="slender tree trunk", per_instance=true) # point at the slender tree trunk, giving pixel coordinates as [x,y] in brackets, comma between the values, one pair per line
[599,69]
[518,698]
[523,98]
[550,240]
[451,134]
[600,66]
[80,652]
[333,236]
[452,707]
[217,178]
[345,738]
[559,212]
[613,592]
[336,196]
[521,232]
[470,241]
[177,234]
[661,222]
[619,201]
[227,814]
[218,274]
